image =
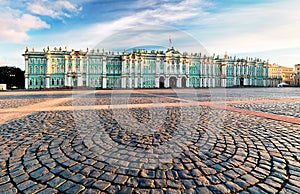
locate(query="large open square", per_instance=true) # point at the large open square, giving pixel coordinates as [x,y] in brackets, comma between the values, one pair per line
[241,140]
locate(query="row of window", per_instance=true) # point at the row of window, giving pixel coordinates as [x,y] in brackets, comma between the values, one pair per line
[41,82]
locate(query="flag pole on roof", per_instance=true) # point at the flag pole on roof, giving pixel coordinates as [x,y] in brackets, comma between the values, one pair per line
[170,42]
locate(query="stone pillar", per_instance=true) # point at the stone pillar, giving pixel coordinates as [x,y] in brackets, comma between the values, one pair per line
[123,74]
[187,68]
[104,79]
[157,82]
[66,80]
[80,64]
[136,82]
[73,64]
[47,81]
[165,68]
[123,81]
[142,80]
[87,77]
[178,84]
[70,80]
[157,65]
[187,82]
[26,81]
[79,80]
[180,67]
[130,82]
[167,82]
[66,71]
[26,72]
[48,71]
[213,82]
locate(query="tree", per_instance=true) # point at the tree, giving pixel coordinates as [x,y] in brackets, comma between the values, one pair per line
[12,76]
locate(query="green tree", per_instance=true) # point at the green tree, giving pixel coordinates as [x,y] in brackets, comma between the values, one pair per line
[12,76]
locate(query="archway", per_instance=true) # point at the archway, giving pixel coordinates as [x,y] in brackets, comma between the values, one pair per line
[161,82]
[173,82]
[242,81]
[183,82]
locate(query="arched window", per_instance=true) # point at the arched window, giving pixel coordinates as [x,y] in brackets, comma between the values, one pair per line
[30,82]
[42,70]
[53,82]
[30,69]
[35,69]
[57,82]
[42,82]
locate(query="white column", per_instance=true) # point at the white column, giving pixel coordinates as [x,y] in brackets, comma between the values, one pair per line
[136,82]
[80,65]
[47,81]
[104,82]
[187,82]
[157,82]
[73,64]
[87,72]
[69,81]
[123,79]
[26,72]
[104,79]
[179,82]
[26,82]
[187,68]
[130,82]
[142,85]
[48,58]
[79,80]
[167,82]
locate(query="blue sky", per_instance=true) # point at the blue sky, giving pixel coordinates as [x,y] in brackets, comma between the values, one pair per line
[266,29]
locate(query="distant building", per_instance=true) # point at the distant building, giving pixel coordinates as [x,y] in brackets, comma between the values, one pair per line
[275,75]
[287,75]
[61,68]
[297,75]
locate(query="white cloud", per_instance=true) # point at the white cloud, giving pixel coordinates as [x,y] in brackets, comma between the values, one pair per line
[15,25]
[160,14]
[261,27]
[55,9]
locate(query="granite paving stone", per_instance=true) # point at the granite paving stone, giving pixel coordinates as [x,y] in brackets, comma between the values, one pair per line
[148,142]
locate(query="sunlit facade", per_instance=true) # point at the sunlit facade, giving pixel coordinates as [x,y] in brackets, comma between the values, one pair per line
[60,68]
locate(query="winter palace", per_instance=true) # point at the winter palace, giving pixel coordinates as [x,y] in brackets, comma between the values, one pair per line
[63,68]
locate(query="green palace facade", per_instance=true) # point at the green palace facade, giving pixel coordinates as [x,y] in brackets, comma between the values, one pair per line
[61,68]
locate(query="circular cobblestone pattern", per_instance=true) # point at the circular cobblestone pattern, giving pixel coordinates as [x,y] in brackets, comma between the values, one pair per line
[284,108]
[185,150]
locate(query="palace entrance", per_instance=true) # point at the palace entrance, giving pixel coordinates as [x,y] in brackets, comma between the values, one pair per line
[161,82]
[242,81]
[183,82]
[173,82]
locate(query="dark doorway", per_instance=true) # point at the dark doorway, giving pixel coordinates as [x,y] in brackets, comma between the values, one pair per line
[183,82]
[161,82]
[242,82]
[173,82]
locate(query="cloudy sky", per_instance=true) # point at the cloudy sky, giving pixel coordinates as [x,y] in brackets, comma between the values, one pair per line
[266,29]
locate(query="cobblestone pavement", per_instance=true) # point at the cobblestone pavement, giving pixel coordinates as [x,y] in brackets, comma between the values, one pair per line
[15,103]
[116,99]
[285,108]
[174,148]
